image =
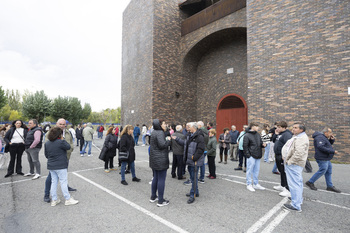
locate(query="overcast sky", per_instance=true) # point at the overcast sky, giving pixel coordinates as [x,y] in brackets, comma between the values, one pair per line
[66,47]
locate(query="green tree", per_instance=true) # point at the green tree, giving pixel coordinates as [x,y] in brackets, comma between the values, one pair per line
[94,117]
[14,100]
[3,99]
[118,115]
[76,111]
[86,112]
[60,108]
[37,106]
[5,112]
[15,115]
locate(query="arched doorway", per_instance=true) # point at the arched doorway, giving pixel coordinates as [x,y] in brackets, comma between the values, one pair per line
[231,110]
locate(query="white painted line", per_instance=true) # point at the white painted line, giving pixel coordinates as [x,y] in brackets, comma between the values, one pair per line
[267,216]
[276,221]
[343,207]
[143,210]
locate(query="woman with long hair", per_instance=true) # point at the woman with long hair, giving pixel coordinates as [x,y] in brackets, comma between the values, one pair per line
[127,144]
[266,139]
[15,137]
[110,143]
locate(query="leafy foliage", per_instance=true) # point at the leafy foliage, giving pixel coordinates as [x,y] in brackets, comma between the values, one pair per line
[37,106]
[3,99]
[14,100]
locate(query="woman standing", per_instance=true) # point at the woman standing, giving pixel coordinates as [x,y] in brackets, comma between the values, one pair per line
[57,164]
[110,143]
[265,137]
[127,144]
[159,161]
[224,140]
[211,152]
[15,138]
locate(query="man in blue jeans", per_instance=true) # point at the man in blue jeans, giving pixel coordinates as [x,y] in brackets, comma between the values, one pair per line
[324,152]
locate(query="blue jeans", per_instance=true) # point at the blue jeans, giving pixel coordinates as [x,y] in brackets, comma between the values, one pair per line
[253,168]
[202,168]
[194,178]
[324,168]
[274,169]
[132,168]
[60,175]
[267,151]
[144,139]
[85,145]
[136,139]
[158,183]
[295,184]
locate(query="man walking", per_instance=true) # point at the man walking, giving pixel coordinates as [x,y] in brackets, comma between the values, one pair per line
[233,143]
[88,133]
[324,152]
[294,153]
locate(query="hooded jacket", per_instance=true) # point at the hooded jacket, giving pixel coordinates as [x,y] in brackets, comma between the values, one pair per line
[159,158]
[323,146]
[193,148]
[252,144]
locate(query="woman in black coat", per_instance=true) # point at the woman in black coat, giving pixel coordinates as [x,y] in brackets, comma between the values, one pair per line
[127,144]
[110,143]
[159,161]
[15,138]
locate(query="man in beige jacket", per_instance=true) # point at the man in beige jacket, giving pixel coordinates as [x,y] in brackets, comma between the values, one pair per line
[295,153]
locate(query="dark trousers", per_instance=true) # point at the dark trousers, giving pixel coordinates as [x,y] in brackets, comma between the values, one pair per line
[78,139]
[109,160]
[177,166]
[241,157]
[82,141]
[158,184]
[211,165]
[16,152]
[280,167]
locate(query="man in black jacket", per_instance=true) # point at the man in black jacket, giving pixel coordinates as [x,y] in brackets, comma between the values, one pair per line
[282,136]
[252,146]
[194,157]
[178,151]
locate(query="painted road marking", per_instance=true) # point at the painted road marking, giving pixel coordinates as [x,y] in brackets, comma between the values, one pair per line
[143,210]
[276,221]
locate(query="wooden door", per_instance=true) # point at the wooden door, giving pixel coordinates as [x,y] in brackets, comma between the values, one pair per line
[225,118]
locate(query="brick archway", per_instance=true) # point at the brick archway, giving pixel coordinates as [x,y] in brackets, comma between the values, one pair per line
[231,110]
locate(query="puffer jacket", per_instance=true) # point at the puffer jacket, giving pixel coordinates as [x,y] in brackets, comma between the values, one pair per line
[159,158]
[178,149]
[127,143]
[193,148]
[111,143]
[211,147]
[323,146]
[252,144]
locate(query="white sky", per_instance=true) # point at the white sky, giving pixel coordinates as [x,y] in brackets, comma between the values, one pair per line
[65,47]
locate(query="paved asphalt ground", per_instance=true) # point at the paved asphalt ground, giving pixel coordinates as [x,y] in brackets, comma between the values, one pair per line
[224,205]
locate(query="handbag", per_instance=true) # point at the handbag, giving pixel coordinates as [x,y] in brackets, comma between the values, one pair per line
[103,153]
[123,155]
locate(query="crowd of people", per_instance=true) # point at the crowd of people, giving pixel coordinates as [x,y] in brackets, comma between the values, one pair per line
[190,144]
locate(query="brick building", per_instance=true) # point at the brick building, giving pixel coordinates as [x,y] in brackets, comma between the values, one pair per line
[236,61]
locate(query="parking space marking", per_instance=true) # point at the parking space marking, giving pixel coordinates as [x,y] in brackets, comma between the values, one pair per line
[132,204]
[276,221]
[267,216]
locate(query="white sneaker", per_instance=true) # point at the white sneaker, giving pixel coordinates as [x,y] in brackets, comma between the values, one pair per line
[150,181]
[90,155]
[29,174]
[143,145]
[258,186]
[285,193]
[71,201]
[278,188]
[250,188]
[36,176]
[54,203]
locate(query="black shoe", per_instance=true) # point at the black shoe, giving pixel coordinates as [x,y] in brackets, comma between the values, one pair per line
[7,175]
[127,172]
[333,189]
[238,169]
[190,201]
[47,199]
[124,182]
[153,199]
[173,176]
[201,181]
[290,207]
[188,195]
[136,179]
[20,173]
[71,189]
[163,203]
[311,185]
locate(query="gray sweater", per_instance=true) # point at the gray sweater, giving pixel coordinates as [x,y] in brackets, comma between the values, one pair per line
[56,154]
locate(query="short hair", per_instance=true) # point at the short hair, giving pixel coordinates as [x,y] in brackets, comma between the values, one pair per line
[325,129]
[193,124]
[282,124]
[300,126]
[211,124]
[35,122]
[233,126]
[253,124]
[178,128]
[212,131]
[226,129]
[200,124]
[54,133]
